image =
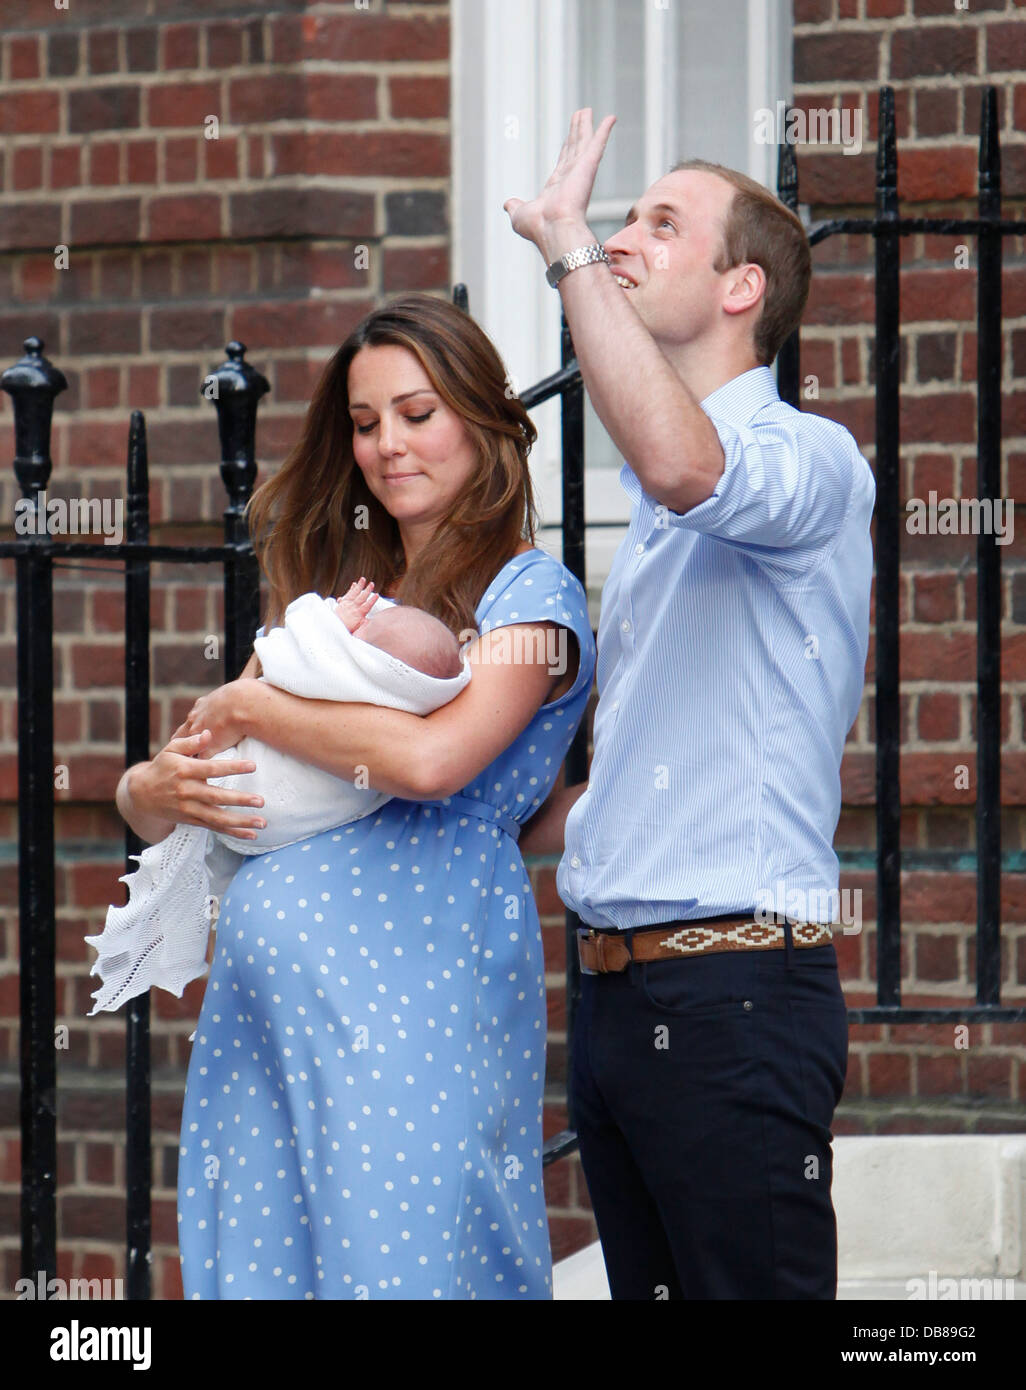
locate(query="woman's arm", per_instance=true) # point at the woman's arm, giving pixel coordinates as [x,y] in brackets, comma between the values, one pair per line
[186,779]
[405,755]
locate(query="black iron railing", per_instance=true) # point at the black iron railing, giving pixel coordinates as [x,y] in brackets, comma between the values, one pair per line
[236,388]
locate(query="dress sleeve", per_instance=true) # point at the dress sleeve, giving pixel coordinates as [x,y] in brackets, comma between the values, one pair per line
[543,590]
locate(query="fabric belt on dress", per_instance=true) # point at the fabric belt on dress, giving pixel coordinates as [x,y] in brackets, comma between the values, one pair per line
[602,951]
[483,810]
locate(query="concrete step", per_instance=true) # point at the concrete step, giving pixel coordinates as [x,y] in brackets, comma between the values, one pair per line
[920,1217]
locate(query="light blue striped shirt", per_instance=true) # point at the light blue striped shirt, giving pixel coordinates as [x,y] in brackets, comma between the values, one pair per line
[731,663]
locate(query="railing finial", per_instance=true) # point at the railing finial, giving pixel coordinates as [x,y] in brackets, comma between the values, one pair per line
[33,383]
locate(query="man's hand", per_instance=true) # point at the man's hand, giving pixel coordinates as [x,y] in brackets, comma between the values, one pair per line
[562,205]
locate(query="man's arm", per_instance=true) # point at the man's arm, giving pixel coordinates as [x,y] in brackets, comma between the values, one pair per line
[651,416]
[653,419]
[543,833]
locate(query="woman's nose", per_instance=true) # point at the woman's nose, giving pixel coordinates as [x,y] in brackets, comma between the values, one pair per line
[390,439]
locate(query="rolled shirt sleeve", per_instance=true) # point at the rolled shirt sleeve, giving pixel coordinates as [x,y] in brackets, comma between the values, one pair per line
[786,485]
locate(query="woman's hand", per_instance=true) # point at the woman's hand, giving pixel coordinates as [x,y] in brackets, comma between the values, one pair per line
[173,789]
[223,712]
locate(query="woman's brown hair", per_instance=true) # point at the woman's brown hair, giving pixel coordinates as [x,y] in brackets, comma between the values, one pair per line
[316,526]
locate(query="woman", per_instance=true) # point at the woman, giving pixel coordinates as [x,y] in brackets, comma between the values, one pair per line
[363,1106]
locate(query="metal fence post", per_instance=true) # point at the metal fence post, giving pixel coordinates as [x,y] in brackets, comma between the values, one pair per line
[236,388]
[32,384]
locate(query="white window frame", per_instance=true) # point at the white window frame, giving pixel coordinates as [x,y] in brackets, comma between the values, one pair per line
[515,80]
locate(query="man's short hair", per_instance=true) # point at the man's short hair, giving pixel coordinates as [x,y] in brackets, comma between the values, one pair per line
[760,229]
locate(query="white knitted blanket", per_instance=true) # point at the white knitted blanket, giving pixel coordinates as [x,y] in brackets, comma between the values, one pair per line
[159,937]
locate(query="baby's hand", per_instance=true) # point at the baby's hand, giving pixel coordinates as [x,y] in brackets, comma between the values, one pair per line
[354,606]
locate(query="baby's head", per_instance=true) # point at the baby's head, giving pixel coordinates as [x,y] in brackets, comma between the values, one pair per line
[415,638]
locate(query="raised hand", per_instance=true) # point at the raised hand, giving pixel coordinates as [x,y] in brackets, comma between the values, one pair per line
[354,606]
[565,197]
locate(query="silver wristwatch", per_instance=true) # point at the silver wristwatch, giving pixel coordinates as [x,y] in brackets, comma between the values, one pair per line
[573,260]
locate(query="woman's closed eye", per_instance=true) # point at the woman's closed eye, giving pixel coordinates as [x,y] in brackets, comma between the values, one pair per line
[413,419]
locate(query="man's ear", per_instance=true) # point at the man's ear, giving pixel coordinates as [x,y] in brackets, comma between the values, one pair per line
[746,289]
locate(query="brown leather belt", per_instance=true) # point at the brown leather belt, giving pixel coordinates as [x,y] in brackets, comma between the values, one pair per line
[601,952]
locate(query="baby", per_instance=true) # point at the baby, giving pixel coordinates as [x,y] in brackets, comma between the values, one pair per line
[409,634]
[394,656]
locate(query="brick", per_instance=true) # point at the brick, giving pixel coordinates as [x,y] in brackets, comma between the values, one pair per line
[183,104]
[65,166]
[312,323]
[224,44]
[24,58]
[372,38]
[939,718]
[936,472]
[141,162]
[194,272]
[418,97]
[840,299]
[115,331]
[812,11]
[103,108]
[181,159]
[420,213]
[26,168]
[180,47]
[393,153]
[946,419]
[935,356]
[62,54]
[195,218]
[104,164]
[141,49]
[186,329]
[221,158]
[1006,47]
[884,9]
[29,113]
[936,598]
[937,112]
[117,273]
[989,1075]
[937,958]
[426,268]
[102,388]
[836,58]
[269,96]
[109,220]
[102,51]
[934,52]
[890,1074]
[937,175]
[94,1217]
[301,211]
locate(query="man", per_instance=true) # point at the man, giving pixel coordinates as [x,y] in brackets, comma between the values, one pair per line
[711,1042]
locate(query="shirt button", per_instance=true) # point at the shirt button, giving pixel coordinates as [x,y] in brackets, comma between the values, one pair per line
[625,625]
[615,705]
[748,1004]
[639,549]
[575,863]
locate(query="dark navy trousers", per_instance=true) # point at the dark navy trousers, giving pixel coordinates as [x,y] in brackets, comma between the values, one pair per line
[704,1091]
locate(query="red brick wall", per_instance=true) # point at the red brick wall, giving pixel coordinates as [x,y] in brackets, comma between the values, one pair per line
[938,60]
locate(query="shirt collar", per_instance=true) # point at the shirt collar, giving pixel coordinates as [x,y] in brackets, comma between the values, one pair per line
[739,399]
[743,396]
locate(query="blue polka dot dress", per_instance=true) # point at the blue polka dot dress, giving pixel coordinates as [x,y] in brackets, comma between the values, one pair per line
[363,1109]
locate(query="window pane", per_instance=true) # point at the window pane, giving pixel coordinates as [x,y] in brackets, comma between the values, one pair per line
[612,75]
[713,119]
